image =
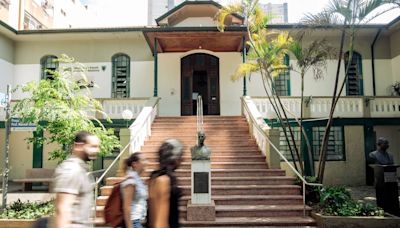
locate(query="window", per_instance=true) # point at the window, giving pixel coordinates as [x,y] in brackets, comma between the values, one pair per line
[354,85]
[335,149]
[282,82]
[48,63]
[31,23]
[120,75]
[284,146]
[63,12]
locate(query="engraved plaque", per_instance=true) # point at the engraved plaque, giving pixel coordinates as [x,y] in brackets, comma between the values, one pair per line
[200,182]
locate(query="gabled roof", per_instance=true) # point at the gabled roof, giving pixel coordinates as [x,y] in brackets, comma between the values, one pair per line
[185,10]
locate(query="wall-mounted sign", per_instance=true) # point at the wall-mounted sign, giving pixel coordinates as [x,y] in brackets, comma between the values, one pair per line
[16,125]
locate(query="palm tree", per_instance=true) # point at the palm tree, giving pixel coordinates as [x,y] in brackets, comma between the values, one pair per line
[313,56]
[348,15]
[266,54]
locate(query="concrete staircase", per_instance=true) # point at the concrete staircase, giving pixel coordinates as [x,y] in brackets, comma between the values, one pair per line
[246,192]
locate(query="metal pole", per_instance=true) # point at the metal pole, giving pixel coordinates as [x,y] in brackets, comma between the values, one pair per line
[7,147]
[244,61]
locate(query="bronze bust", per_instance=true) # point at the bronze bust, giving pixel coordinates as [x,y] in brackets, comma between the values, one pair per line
[200,151]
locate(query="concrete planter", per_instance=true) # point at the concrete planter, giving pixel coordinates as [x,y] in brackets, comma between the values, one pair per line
[323,221]
[16,223]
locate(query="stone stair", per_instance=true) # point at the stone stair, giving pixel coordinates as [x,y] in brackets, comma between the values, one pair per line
[246,192]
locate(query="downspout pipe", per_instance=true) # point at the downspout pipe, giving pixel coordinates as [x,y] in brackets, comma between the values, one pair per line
[373,61]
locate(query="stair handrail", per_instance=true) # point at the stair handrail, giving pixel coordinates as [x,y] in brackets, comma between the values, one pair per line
[200,127]
[259,123]
[139,129]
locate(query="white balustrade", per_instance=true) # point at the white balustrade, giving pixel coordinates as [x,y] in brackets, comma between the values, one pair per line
[114,107]
[346,107]
[291,105]
[384,107]
[141,127]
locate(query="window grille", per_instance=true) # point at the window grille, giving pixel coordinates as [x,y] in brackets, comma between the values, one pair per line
[335,148]
[284,146]
[282,82]
[48,63]
[354,85]
[121,75]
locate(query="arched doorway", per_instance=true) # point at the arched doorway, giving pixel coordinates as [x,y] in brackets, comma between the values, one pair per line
[200,76]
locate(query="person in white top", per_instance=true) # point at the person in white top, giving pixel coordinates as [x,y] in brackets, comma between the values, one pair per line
[134,192]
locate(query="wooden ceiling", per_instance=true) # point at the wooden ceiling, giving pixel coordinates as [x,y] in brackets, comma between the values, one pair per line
[186,41]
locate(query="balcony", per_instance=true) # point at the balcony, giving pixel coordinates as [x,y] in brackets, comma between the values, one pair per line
[347,107]
[112,107]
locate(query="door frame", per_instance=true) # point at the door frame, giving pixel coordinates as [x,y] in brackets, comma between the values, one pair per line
[190,70]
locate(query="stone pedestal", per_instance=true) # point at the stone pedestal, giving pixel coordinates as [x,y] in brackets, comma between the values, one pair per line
[200,212]
[201,207]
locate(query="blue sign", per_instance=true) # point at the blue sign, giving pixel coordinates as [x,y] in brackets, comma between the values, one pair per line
[16,125]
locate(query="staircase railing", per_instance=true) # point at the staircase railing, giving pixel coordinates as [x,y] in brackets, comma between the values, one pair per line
[200,127]
[258,130]
[139,131]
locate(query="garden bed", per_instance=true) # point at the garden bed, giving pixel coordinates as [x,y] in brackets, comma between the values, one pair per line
[16,223]
[389,221]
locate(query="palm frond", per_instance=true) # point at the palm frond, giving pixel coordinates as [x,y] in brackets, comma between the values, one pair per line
[244,69]
[225,12]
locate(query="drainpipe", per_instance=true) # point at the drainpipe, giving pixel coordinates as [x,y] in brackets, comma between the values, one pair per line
[155,92]
[373,60]
[244,60]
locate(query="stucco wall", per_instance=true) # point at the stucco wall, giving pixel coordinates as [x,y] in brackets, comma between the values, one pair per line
[396,68]
[169,86]
[350,172]
[6,49]
[84,50]
[196,21]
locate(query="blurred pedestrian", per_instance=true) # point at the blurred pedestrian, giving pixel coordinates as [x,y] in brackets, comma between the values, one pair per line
[134,192]
[164,192]
[73,184]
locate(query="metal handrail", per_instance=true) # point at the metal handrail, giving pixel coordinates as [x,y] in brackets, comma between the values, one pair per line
[200,127]
[304,181]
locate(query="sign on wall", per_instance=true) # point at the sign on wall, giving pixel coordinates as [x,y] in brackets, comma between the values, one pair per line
[16,125]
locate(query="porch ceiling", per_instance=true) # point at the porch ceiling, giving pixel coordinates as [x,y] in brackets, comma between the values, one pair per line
[229,41]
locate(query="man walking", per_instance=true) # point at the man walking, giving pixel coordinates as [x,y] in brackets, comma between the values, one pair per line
[74,186]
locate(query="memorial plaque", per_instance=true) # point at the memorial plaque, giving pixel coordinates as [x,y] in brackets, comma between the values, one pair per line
[200,182]
[390,177]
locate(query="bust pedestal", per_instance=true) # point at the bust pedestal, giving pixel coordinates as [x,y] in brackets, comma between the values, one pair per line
[201,207]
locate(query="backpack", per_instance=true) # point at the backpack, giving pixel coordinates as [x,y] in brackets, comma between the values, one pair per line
[113,214]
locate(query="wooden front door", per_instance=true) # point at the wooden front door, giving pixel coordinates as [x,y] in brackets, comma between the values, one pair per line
[200,76]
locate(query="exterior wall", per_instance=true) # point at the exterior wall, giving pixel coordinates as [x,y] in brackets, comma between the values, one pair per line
[395,53]
[169,82]
[6,63]
[91,53]
[197,21]
[20,153]
[337,172]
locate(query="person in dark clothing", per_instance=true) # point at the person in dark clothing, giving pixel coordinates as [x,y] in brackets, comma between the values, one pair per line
[164,192]
[381,156]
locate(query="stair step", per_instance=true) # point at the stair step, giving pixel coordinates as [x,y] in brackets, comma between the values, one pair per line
[252,200]
[252,221]
[260,210]
[219,165]
[216,158]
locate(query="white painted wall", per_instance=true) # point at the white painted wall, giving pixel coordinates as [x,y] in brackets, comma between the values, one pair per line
[392,133]
[324,86]
[196,21]
[396,68]
[6,75]
[169,85]
[141,77]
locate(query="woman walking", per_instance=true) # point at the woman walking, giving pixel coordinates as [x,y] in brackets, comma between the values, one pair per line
[134,192]
[164,192]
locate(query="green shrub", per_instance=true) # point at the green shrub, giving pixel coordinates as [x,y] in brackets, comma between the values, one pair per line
[337,201]
[28,210]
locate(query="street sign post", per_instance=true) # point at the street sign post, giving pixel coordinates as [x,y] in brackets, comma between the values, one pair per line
[16,125]
[7,146]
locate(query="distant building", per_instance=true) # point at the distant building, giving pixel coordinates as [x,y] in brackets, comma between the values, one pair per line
[279,12]
[43,14]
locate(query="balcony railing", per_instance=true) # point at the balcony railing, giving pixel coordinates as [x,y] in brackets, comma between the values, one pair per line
[347,107]
[112,107]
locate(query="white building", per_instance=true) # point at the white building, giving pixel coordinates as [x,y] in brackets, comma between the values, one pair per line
[279,12]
